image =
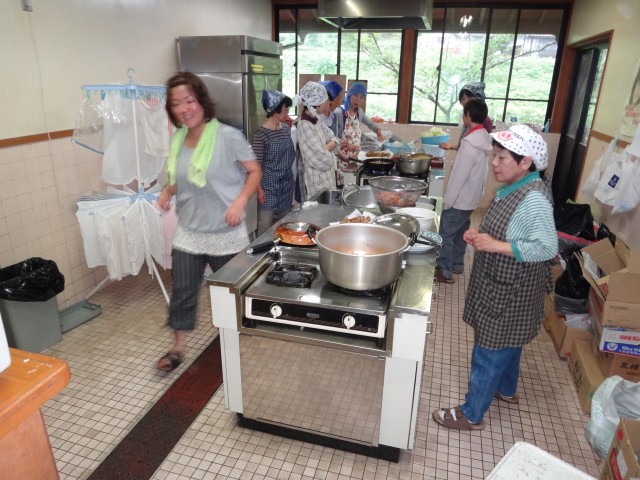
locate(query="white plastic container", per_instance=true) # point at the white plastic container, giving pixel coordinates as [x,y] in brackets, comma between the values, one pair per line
[524,461]
[5,356]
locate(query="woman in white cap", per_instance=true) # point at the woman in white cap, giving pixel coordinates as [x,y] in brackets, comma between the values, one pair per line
[515,246]
[274,148]
[317,143]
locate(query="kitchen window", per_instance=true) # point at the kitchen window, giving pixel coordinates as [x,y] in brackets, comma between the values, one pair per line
[515,51]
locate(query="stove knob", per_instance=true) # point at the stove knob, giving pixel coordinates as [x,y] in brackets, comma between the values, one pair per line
[276,310]
[349,321]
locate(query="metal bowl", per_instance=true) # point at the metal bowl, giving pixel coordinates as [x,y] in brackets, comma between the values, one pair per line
[393,193]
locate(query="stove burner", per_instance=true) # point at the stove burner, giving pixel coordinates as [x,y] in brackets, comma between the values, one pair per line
[292,275]
[379,293]
[377,173]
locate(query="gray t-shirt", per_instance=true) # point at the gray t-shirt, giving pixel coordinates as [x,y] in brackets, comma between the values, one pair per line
[203,209]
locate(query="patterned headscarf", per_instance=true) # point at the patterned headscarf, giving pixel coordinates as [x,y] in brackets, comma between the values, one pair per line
[476,89]
[271,99]
[333,88]
[356,88]
[311,95]
[521,139]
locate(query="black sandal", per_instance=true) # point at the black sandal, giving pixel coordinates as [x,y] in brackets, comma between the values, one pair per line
[169,362]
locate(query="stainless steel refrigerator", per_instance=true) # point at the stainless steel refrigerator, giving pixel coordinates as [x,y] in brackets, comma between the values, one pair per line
[235,68]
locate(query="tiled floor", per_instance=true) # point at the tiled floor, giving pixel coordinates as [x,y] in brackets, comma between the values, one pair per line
[114,382]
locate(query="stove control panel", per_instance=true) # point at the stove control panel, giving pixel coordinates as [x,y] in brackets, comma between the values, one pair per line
[356,323]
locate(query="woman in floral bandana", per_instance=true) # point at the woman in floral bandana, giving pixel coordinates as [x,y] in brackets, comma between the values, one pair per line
[316,142]
[471,91]
[274,148]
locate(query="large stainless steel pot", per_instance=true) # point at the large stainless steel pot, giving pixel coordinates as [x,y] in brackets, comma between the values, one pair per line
[359,256]
[414,164]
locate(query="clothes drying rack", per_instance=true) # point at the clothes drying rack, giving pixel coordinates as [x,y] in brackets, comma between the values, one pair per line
[133,92]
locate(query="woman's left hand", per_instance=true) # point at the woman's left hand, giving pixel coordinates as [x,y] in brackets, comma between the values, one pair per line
[486,243]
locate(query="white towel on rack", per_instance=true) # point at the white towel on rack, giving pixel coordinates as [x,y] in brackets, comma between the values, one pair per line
[119,160]
[90,238]
[155,127]
[113,244]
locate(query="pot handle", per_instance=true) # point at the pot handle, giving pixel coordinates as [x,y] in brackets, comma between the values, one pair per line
[263,247]
[312,230]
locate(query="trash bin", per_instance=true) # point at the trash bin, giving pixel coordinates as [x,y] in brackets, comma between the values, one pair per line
[28,304]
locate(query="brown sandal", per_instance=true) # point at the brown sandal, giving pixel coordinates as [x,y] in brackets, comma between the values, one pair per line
[454,418]
[441,278]
[169,362]
[515,399]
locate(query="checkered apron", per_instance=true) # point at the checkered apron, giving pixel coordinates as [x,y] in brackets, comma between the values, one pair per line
[505,300]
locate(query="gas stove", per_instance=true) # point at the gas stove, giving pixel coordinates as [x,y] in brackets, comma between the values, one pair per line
[315,303]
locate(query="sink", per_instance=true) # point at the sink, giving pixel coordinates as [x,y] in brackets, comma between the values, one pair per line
[328,197]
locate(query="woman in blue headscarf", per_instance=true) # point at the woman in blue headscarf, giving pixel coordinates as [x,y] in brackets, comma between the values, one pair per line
[274,149]
[351,116]
[333,89]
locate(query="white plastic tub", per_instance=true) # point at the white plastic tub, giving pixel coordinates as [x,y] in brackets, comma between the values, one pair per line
[524,461]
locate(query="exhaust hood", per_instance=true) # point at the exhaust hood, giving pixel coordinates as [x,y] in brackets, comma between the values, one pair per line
[377,14]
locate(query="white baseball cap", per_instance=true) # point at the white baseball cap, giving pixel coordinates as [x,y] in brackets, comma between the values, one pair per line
[521,139]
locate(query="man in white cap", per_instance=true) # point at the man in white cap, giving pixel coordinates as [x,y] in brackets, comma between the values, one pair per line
[515,246]
[318,145]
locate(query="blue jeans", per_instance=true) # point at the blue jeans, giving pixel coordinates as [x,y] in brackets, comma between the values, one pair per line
[491,371]
[453,224]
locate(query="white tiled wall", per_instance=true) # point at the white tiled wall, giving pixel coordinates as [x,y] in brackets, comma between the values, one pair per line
[39,186]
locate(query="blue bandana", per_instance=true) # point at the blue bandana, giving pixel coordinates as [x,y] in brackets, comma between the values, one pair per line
[333,88]
[356,88]
[271,99]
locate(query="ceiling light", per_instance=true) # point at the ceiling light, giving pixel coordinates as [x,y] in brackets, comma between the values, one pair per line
[466,20]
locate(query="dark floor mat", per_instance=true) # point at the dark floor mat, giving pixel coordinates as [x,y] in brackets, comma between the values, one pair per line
[145,447]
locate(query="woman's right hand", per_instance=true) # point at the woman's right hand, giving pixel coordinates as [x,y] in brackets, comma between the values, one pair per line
[164,198]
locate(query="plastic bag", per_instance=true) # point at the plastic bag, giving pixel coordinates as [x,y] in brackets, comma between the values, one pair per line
[574,219]
[571,283]
[609,156]
[615,398]
[614,176]
[629,188]
[33,280]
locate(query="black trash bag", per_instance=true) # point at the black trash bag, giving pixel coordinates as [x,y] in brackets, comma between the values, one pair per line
[571,283]
[574,219]
[33,280]
[604,232]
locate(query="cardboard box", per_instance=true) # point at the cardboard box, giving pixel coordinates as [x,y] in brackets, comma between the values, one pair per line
[614,275]
[620,340]
[622,305]
[585,372]
[624,341]
[627,366]
[622,461]
[563,337]
[607,259]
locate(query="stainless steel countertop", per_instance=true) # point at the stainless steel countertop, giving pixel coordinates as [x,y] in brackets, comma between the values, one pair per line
[412,295]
